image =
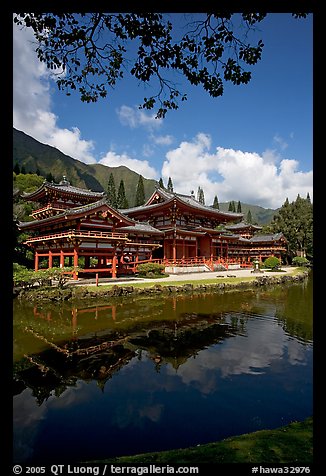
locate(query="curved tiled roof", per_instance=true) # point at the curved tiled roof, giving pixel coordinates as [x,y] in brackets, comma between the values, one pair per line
[63,186]
[271,237]
[141,227]
[242,225]
[75,211]
[186,199]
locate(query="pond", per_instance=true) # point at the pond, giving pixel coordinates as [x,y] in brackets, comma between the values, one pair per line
[138,374]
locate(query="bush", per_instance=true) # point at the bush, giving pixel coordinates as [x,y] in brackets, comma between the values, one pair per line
[150,270]
[27,278]
[272,263]
[300,261]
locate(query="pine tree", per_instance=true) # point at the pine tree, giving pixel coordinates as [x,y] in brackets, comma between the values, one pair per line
[239,207]
[23,170]
[232,206]
[308,198]
[161,183]
[112,194]
[17,169]
[49,177]
[140,193]
[170,185]
[215,203]
[122,201]
[38,171]
[249,217]
[201,196]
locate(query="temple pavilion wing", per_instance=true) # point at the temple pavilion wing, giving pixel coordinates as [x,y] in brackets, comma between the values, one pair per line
[53,198]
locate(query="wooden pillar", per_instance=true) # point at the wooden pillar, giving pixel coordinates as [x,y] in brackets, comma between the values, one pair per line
[50,259]
[174,251]
[75,274]
[62,259]
[36,259]
[114,264]
[75,257]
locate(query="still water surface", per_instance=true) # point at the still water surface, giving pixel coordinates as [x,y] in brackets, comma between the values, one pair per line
[141,374]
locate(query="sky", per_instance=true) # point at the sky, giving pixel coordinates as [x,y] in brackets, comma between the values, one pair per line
[254,144]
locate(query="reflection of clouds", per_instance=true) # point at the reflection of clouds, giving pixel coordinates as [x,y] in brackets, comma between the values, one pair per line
[26,419]
[296,352]
[264,345]
[133,413]
[73,395]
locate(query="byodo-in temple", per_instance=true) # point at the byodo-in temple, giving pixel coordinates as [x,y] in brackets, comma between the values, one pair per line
[78,227]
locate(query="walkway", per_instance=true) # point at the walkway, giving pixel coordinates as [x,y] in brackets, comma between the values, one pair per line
[237,273]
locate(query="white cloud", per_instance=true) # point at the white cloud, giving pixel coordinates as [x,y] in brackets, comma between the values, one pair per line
[134,117]
[265,180]
[112,159]
[280,142]
[32,102]
[162,140]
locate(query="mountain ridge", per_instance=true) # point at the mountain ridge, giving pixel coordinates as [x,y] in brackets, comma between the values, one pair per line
[45,159]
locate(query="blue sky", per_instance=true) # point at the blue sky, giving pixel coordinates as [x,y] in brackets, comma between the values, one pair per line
[253,144]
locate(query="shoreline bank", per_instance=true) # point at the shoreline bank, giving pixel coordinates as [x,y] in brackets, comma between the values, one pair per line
[206,282]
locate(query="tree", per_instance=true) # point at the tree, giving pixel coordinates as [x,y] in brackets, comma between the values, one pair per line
[215,203]
[249,217]
[122,201]
[161,183]
[239,207]
[295,221]
[17,168]
[170,185]
[232,206]
[23,170]
[140,193]
[201,196]
[112,194]
[91,52]
[49,177]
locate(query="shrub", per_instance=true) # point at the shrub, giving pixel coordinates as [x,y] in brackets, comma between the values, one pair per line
[300,261]
[27,278]
[272,263]
[150,269]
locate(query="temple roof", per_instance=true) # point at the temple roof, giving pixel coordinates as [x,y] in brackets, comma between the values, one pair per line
[71,212]
[64,186]
[270,237]
[242,225]
[189,200]
[141,227]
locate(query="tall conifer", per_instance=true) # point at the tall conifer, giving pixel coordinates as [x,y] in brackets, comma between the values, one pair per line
[170,185]
[140,193]
[215,203]
[112,194]
[122,201]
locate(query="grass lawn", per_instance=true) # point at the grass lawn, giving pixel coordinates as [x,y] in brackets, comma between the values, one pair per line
[292,444]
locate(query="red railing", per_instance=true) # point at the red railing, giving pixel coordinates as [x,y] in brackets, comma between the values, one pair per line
[80,234]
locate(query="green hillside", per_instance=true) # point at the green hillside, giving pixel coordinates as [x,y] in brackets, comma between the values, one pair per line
[260,215]
[33,155]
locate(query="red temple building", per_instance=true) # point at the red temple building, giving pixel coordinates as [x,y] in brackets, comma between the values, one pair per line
[78,227]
